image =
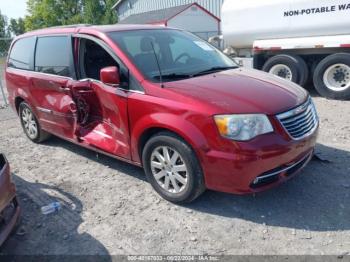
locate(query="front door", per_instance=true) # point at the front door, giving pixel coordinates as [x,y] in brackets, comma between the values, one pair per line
[101,109]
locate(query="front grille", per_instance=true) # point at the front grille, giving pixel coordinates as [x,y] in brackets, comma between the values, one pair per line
[301,121]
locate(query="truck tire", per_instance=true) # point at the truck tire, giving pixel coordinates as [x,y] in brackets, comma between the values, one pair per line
[172,168]
[332,76]
[289,67]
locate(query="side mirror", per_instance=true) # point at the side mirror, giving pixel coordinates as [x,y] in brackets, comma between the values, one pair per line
[110,76]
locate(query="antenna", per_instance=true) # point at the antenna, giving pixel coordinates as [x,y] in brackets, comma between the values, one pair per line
[160,70]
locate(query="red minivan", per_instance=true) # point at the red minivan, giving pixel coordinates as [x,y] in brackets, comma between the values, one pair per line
[165,100]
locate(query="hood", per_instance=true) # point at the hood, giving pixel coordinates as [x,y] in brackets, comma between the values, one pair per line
[242,91]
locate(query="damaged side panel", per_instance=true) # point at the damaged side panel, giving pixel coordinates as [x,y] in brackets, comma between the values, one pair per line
[102,118]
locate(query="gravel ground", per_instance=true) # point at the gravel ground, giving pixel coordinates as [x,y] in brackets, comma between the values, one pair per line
[110,209]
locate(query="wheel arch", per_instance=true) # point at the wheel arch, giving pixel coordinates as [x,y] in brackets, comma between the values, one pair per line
[147,134]
[20,96]
[184,129]
[18,101]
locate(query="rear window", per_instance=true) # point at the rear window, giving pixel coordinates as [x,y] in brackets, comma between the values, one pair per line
[53,55]
[22,53]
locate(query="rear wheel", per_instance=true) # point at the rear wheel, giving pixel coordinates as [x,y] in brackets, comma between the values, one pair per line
[172,168]
[31,125]
[289,67]
[332,76]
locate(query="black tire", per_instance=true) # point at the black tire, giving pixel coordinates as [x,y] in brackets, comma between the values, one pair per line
[195,182]
[322,67]
[41,134]
[297,65]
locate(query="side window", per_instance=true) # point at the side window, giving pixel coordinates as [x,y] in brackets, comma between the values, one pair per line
[21,53]
[53,55]
[93,57]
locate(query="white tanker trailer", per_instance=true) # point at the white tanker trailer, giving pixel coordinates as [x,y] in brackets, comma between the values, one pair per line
[294,39]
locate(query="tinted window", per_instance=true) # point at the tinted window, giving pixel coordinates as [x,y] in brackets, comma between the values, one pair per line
[53,55]
[21,53]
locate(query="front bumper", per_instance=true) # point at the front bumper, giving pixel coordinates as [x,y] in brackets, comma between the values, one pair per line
[9,208]
[280,173]
[258,165]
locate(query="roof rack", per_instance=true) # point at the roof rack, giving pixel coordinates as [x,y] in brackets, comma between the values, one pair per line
[71,26]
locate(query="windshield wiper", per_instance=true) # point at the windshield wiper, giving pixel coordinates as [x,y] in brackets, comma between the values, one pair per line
[214,70]
[173,76]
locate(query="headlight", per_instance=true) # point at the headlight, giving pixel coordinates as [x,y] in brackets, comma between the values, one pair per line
[243,127]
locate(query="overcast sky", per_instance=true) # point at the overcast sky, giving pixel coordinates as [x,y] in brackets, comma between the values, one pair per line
[13,8]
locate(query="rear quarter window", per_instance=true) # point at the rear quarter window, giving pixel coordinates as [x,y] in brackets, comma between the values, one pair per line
[53,55]
[22,53]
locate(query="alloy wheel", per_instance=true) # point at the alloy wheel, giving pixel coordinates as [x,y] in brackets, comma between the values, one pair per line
[29,123]
[169,169]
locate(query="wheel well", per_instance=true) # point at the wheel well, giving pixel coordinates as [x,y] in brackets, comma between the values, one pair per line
[18,101]
[146,135]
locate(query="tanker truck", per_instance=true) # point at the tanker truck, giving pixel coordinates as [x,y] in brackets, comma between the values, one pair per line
[299,40]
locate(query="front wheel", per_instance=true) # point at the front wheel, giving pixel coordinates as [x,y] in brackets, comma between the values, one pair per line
[172,168]
[332,76]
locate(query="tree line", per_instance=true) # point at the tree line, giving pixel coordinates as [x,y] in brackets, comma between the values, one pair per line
[12,27]
[48,13]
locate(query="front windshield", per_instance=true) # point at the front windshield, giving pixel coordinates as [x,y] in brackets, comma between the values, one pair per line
[180,54]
